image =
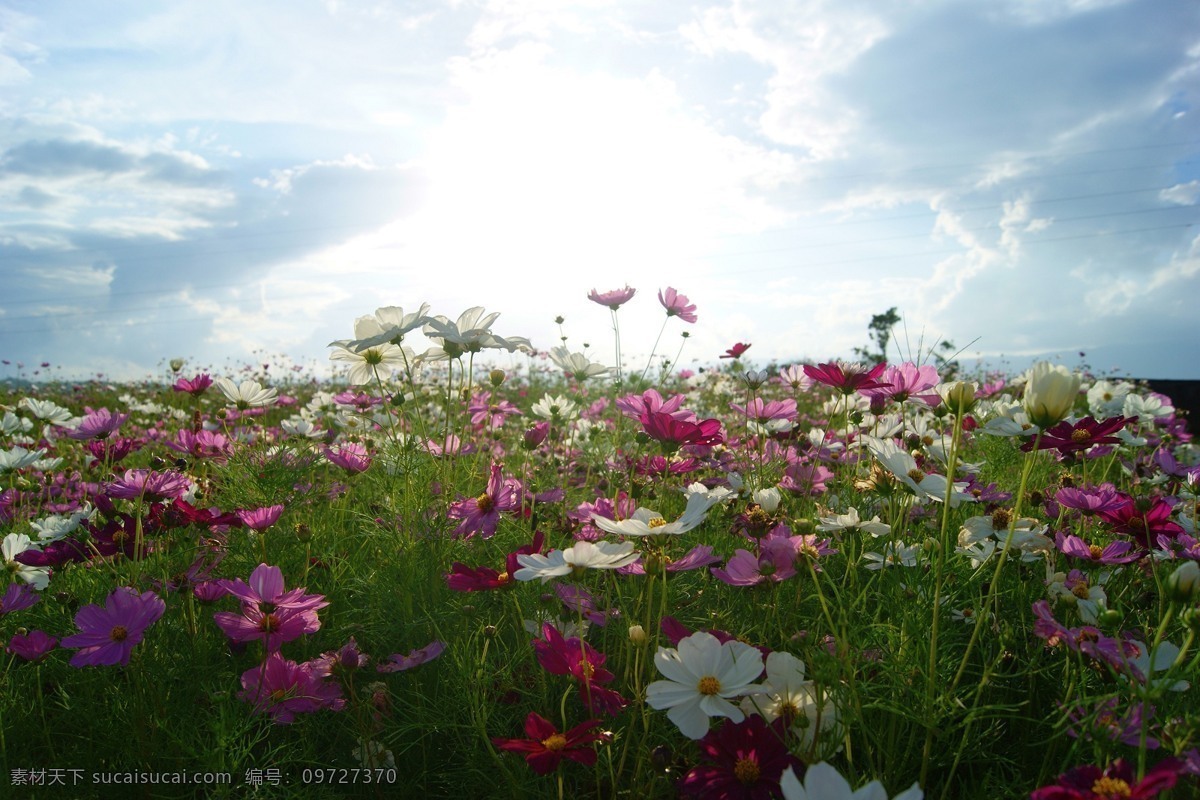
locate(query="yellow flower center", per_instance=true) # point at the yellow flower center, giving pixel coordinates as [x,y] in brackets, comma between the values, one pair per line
[1001,517]
[485,503]
[269,624]
[746,771]
[1096,550]
[503,577]
[916,475]
[118,633]
[708,685]
[1081,590]
[1081,436]
[1111,788]
[555,742]
[657,522]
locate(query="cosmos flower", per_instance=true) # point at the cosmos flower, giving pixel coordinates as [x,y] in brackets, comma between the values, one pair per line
[32,646]
[1118,780]
[195,386]
[469,334]
[388,326]
[703,675]
[645,522]
[415,658]
[743,761]
[350,456]
[614,299]
[545,748]
[13,545]
[580,556]
[482,514]
[1050,392]
[98,424]
[148,485]
[247,394]
[847,378]
[283,688]
[824,782]
[736,351]
[677,305]
[17,597]
[577,365]
[108,635]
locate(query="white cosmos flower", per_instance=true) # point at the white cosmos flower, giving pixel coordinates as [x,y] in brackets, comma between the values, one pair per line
[851,521]
[823,782]
[45,410]
[1050,392]
[901,464]
[368,361]
[387,326]
[1146,409]
[469,334]
[767,499]
[894,554]
[13,545]
[299,426]
[11,424]
[702,675]
[577,365]
[788,693]
[56,526]
[645,522]
[551,406]
[247,394]
[18,458]
[581,555]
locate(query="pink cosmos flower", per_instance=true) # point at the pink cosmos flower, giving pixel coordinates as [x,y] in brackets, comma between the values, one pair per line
[482,514]
[677,305]
[195,386]
[107,635]
[260,519]
[613,299]
[746,569]
[415,658]
[99,423]
[265,591]
[698,557]
[273,628]
[1112,553]
[635,406]
[907,381]
[490,414]
[350,456]
[283,688]
[545,748]
[1090,501]
[202,444]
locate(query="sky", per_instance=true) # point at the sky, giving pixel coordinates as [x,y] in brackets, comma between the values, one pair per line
[233,182]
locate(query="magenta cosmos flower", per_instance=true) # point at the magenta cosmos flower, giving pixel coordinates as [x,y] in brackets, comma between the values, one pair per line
[847,378]
[148,485]
[1118,780]
[743,761]
[613,299]
[677,305]
[107,635]
[545,747]
[676,433]
[482,514]
[98,424]
[350,456]
[260,519]
[193,386]
[737,350]
[283,688]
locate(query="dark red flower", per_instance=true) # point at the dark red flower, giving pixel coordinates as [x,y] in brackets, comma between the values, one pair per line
[1143,518]
[1067,438]
[463,578]
[545,747]
[582,662]
[737,350]
[744,762]
[676,433]
[847,378]
[1116,782]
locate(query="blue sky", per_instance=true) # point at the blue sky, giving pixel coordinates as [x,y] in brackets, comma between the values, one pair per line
[225,180]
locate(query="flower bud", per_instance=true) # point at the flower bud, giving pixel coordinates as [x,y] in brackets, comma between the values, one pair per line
[767,499]
[959,396]
[176,364]
[1050,392]
[497,377]
[535,435]
[637,635]
[1183,586]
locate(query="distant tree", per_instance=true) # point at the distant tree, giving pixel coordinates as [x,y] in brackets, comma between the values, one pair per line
[880,331]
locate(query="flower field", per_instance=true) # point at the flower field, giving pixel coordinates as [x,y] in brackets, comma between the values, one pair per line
[579,577]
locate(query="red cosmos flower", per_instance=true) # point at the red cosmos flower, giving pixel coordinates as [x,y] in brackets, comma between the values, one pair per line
[463,578]
[577,658]
[847,378]
[1145,519]
[195,387]
[1118,780]
[745,760]
[737,350]
[676,433]
[1067,438]
[545,747]
[677,305]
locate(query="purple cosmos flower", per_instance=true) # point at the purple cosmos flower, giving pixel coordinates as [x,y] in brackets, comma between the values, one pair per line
[32,646]
[486,413]
[1068,438]
[98,424]
[1112,553]
[350,456]
[482,514]
[1090,501]
[107,635]
[677,305]
[415,658]
[283,688]
[195,386]
[148,485]
[675,433]
[272,628]
[698,557]
[746,569]
[265,591]
[614,299]
[18,597]
[1106,721]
